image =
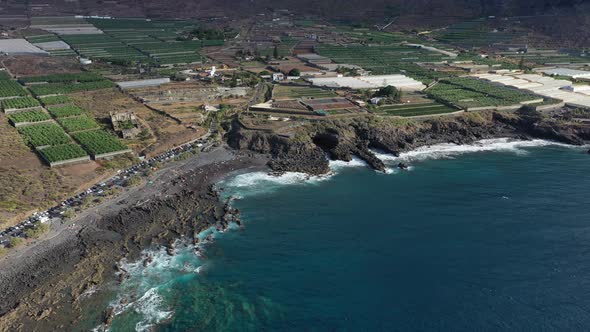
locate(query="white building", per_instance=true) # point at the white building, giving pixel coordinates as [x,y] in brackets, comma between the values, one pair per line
[567,72]
[278,77]
[400,82]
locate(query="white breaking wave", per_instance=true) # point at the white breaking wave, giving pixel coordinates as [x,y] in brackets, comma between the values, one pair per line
[150,307]
[450,150]
[339,164]
[249,184]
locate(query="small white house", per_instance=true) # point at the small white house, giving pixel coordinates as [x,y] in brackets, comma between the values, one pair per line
[85,62]
[278,77]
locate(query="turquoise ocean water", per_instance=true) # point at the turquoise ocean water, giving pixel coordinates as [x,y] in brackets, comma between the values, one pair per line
[489,237]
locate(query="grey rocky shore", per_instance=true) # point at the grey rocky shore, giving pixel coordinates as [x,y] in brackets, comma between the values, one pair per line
[343,139]
[42,286]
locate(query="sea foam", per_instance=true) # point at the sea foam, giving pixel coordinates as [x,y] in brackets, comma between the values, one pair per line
[450,150]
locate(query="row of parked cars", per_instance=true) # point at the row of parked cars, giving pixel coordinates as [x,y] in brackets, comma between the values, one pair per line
[98,190]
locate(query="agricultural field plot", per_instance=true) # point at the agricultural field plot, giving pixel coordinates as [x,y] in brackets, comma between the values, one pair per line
[74,124]
[28,117]
[99,142]
[283,49]
[474,33]
[81,77]
[64,152]
[42,38]
[408,110]
[292,92]
[104,47]
[65,111]
[157,41]
[4,75]
[558,58]
[472,93]
[41,90]
[378,37]
[385,60]
[19,103]
[10,88]
[67,52]
[44,135]
[55,100]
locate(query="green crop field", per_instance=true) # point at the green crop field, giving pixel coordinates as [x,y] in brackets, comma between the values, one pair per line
[42,38]
[44,134]
[65,111]
[288,92]
[392,59]
[468,92]
[62,152]
[55,100]
[475,32]
[29,116]
[11,89]
[146,41]
[78,123]
[407,110]
[98,142]
[63,78]
[18,103]
[64,88]
[4,75]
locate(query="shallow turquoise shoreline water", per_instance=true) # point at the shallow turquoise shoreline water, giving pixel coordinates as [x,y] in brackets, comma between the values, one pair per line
[494,240]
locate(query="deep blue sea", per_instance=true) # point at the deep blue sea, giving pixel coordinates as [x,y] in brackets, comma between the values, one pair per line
[488,237]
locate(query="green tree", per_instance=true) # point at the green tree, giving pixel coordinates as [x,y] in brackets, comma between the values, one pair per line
[295,72]
[275,53]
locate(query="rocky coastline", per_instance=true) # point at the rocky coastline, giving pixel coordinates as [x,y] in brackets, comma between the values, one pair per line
[42,288]
[342,139]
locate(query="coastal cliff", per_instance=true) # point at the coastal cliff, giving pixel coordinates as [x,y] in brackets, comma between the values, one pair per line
[307,149]
[48,286]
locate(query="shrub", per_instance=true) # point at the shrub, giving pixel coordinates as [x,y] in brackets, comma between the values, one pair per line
[37,231]
[15,242]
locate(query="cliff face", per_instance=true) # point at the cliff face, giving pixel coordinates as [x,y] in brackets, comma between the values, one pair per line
[343,139]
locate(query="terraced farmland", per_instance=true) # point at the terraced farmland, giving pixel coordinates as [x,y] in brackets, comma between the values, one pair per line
[10,88]
[140,40]
[65,88]
[55,100]
[28,116]
[409,110]
[64,152]
[474,33]
[382,60]
[63,78]
[471,93]
[99,142]
[4,75]
[19,103]
[44,134]
[78,123]
[65,111]
[290,92]
[104,47]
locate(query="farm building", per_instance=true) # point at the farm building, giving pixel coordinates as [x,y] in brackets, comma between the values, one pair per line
[125,124]
[143,83]
[567,72]
[19,47]
[401,82]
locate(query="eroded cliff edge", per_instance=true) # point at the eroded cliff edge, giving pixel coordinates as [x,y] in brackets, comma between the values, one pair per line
[309,147]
